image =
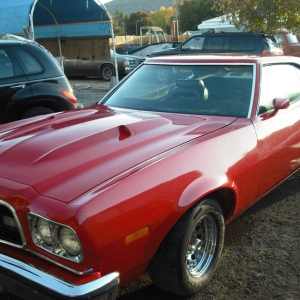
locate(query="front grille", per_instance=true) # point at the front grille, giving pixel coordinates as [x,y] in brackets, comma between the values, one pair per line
[141,60]
[10,230]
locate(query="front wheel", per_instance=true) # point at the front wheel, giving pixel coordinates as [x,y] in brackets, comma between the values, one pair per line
[106,72]
[187,258]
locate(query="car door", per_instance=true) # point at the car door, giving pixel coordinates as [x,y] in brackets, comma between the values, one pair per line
[13,83]
[78,67]
[278,134]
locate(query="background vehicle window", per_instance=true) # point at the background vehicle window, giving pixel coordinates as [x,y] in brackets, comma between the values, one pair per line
[29,62]
[278,81]
[243,43]
[217,43]
[194,44]
[6,65]
[280,38]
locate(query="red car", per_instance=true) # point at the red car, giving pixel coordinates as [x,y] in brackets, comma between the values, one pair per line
[146,179]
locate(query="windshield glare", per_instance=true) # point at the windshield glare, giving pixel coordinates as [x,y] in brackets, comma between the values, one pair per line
[222,90]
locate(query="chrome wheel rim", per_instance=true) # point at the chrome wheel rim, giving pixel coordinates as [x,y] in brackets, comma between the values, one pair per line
[201,246]
[107,73]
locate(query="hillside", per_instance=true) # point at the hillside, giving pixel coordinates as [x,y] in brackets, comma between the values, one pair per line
[130,6]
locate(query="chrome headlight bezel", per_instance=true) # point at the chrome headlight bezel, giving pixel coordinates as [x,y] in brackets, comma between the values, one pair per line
[45,234]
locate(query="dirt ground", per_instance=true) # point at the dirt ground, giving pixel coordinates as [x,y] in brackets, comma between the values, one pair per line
[261,254]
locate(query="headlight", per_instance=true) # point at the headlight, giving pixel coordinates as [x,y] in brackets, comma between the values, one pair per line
[129,62]
[69,241]
[55,238]
[43,229]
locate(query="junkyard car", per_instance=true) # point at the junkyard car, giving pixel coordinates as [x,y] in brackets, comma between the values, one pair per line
[31,81]
[105,70]
[146,179]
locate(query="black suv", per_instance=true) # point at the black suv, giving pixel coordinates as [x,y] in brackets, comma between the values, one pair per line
[226,42]
[31,81]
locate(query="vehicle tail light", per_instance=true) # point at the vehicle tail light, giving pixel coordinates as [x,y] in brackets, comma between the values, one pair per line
[71,97]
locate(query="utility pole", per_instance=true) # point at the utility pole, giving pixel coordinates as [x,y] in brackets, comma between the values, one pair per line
[175,21]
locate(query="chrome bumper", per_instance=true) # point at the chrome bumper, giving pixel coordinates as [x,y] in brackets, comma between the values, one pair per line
[28,282]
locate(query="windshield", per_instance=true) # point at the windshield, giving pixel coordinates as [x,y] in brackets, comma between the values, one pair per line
[223,90]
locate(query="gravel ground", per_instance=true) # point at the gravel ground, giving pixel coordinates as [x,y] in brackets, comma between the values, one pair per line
[89,91]
[261,253]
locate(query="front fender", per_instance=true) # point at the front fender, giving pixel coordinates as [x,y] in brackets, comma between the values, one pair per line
[201,187]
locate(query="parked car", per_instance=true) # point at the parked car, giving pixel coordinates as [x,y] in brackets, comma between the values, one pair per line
[90,67]
[31,81]
[289,42]
[147,178]
[226,42]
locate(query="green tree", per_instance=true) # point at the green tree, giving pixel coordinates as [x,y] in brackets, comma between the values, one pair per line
[137,20]
[162,17]
[119,22]
[192,12]
[261,15]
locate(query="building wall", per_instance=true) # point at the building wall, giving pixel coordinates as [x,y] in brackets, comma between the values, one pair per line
[89,48]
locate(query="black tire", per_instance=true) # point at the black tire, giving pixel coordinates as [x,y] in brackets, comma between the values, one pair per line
[188,256]
[106,72]
[37,111]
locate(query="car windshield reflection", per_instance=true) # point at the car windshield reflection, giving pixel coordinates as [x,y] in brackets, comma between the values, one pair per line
[221,90]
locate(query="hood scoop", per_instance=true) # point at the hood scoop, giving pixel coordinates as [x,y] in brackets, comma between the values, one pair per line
[118,133]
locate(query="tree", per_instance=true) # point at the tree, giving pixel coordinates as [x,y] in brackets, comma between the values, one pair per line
[137,20]
[193,12]
[161,18]
[261,15]
[119,22]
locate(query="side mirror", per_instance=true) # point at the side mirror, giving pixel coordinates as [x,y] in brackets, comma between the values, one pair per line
[279,103]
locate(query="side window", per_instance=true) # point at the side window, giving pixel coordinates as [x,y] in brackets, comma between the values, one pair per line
[216,43]
[278,81]
[243,43]
[195,43]
[6,65]
[29,62]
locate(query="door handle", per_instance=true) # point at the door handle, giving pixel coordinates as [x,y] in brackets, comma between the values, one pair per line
[21,86]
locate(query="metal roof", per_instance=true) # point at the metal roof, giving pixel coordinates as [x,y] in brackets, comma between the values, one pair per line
[74,18]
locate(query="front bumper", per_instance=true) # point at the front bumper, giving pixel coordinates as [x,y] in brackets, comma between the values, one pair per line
[28,282]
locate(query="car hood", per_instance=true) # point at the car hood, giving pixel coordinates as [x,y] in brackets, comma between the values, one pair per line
[64,155]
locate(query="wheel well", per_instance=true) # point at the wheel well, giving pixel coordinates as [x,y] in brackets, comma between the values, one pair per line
[46,104]
[226,198]
[107,64]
